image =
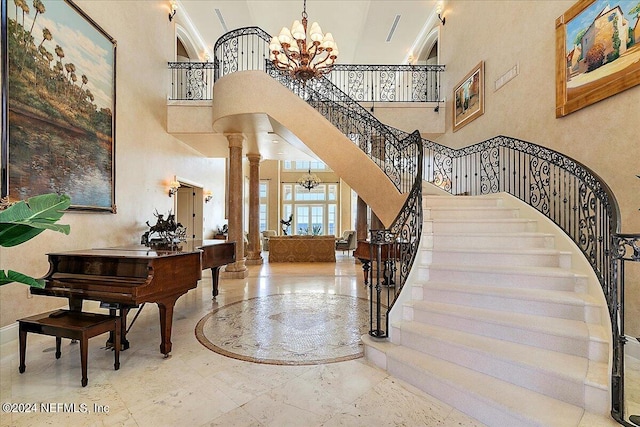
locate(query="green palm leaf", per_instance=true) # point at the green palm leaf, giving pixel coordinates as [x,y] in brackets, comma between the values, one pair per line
[14,276]
[26,219]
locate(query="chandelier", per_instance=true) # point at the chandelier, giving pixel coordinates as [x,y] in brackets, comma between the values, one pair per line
[309,181]
[290,52]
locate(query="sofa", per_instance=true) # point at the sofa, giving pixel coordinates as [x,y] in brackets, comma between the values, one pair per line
[302,249]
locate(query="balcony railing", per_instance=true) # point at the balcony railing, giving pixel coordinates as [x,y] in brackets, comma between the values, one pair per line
[191,81]
[388,83]
[247,49]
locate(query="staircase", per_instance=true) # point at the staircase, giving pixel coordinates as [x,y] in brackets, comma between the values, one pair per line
[496,322]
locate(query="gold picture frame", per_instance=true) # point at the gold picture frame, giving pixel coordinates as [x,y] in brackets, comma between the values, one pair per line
[59,131]
[468,97]
[597,52]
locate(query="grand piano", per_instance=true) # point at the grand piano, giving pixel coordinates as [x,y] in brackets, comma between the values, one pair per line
[124,277]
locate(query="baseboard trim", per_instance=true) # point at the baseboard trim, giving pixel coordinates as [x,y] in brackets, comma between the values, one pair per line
[8,333]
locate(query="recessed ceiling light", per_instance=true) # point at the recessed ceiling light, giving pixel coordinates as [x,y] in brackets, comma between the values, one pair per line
[275,141]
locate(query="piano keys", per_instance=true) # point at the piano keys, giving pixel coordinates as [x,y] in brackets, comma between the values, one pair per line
[131,275]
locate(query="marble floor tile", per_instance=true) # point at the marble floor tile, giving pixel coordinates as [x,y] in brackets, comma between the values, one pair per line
[198,387]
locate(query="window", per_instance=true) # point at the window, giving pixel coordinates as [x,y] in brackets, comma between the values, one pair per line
[300,165]
[315,211]
[264,205]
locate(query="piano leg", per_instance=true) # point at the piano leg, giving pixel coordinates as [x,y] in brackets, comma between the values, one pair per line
[366,266]
[165,307]
[124,342]
[215,275]
[75,304]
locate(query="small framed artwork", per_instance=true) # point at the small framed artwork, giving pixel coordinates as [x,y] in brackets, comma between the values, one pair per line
[59,136]
[597,52]
[468,97]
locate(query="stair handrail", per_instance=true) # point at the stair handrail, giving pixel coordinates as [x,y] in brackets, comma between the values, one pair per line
[399,156]
[625,248]
[590,217]
[395,158]
[486,168]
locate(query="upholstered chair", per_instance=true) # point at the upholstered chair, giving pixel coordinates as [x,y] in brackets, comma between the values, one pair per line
[265,238]
[347,242]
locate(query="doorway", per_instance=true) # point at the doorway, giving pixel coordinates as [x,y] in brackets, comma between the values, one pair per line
[189,209]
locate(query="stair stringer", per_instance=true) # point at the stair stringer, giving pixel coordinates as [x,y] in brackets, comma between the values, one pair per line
[244,93]
[596,392]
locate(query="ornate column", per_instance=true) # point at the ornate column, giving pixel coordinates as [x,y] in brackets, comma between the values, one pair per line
[237,270]
[254,255]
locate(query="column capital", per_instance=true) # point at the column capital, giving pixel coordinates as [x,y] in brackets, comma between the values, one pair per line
[235,139]
[254,157]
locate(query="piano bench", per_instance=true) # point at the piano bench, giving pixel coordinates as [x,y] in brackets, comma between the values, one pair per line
[75,325]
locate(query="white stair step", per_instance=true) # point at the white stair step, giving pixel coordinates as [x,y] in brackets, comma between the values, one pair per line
[539,302]
[562,335]
[490,400]
[558,375]
[486,225]
[469,212]
[534,257]
[458,201]
[521,277]
[490,239]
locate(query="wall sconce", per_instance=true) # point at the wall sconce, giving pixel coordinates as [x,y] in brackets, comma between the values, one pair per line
[173,187]
[439,12]
[207,196]
[174,8]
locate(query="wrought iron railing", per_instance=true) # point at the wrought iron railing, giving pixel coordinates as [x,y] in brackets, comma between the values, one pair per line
[248,49]
[399,158]
[398,155]
[625,249]
[565,191]
[388,83]
[191,81]
[392,251]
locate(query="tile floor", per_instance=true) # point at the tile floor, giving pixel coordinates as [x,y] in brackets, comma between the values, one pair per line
[197,387]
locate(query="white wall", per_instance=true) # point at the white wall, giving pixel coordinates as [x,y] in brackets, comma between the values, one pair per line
[147,157]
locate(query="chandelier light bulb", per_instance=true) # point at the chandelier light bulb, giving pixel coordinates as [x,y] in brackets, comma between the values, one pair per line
[304,53]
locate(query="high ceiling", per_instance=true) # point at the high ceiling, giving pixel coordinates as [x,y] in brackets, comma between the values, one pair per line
[367,32]
[361,28]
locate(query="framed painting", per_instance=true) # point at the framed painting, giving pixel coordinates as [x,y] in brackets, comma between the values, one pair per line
[597,52]
[468,97]
[58,103]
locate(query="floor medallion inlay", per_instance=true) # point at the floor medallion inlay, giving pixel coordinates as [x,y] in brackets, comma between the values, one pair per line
[288,329]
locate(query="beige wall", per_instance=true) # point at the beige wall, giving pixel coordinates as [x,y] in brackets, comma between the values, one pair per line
[147,157]
[603,136]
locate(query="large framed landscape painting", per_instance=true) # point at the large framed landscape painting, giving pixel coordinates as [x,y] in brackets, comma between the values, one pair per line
[597,52]
[61,105]
[468,97]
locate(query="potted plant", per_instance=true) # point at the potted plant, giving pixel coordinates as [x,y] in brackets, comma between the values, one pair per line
[24,220]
